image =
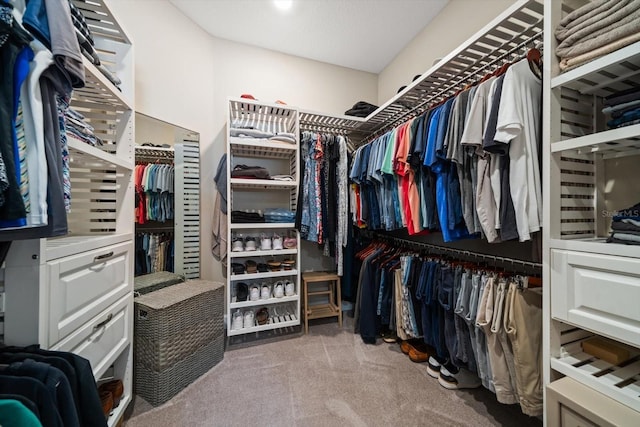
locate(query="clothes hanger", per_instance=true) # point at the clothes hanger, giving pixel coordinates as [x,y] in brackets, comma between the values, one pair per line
[534,57]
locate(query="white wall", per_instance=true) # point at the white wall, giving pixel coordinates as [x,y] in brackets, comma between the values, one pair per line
[184,76]
[459,20]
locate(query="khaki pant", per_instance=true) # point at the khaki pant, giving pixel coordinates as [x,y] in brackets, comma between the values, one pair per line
[524,329]
[493,309]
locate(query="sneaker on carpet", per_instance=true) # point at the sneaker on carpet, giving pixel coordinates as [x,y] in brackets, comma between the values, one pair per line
[433,368]
[461,379]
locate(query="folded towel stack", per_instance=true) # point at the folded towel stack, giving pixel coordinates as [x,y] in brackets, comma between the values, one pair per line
[596,29]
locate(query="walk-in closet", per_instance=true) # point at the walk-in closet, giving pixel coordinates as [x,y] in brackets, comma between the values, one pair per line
[319,213]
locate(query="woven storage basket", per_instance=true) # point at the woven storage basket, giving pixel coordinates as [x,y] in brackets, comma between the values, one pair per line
[173,325]
[158,387]
[154,281]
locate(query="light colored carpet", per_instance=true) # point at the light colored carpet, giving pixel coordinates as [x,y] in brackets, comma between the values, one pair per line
[326,378]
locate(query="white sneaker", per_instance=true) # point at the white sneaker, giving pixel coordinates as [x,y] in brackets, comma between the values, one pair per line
[237,320]
[433,367]
[462,379]
[237,245]
[278,290]
[265,243]
[250,244]
[277,242]
[254,293]
[248,319]
[265,292]
[289,288]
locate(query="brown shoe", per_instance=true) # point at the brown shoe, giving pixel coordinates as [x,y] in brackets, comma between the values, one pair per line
[417,355]
[405,347]
[106,399]
[116,388]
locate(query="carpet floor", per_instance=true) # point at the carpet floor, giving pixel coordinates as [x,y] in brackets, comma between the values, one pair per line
[326,378]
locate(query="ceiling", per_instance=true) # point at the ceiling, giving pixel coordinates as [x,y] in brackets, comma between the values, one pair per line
[364,35]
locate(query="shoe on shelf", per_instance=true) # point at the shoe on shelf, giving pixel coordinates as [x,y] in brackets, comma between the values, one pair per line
[433,367]
[278,290]
[265,291]
[277,242]
[289,288]
[106,399]
[265,243]
[237,320]
[250,244]
[254,293]
[262,316]
[288,264]
[237,245]
[248,319]
[290,242]
[242,291]
[251,266]
[461,379]
[116,388]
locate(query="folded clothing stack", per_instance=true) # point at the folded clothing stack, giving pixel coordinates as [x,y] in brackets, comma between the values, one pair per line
[252,172]
[624,108]
[596,29]
[625,227]
[251,129]
[361,109]
[78,128]
[87,45]
[279,215]
[242,217]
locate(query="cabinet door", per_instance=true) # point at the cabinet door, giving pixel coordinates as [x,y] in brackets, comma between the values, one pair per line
[597,292]
[85,284]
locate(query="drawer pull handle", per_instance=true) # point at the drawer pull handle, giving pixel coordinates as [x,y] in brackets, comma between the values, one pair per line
[104,322]
[103,256]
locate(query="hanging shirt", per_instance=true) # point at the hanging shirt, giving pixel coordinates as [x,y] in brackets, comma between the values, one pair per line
[519,126]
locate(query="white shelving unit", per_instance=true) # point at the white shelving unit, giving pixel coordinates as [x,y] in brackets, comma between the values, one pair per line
[245,194]
[75,292]
[592,287]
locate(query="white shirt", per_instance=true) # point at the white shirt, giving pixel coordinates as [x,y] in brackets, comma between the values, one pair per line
[518,125]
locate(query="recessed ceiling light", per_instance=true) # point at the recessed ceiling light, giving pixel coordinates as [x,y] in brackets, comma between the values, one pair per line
[283,4]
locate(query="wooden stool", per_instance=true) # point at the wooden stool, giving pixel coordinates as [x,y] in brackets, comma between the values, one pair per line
[317,311]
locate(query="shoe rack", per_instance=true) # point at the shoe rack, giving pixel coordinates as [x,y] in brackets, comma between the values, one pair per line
[256,195]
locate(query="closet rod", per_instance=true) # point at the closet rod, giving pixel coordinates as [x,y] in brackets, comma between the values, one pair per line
[424,105]
[416,244]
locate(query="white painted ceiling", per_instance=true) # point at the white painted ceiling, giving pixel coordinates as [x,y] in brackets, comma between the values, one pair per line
[361,34]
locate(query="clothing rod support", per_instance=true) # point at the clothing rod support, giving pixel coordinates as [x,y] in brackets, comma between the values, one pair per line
[424,105]
[463,252]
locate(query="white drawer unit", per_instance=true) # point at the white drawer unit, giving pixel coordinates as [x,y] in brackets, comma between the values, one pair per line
[597,292]
[571,404]
[103,338]
[85,284]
